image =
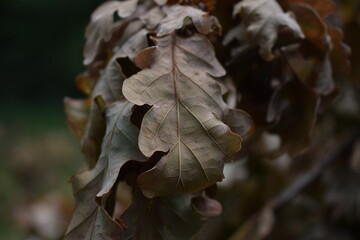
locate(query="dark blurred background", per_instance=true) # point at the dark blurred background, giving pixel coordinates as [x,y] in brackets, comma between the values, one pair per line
[41,44]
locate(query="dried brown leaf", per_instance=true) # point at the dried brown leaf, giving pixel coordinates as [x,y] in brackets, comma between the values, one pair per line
[120,144]
[152,18]
[294,115]
[176,15]
[161,2]
[262,19]
[77,114]
[164,218]
[323,7]
[102,25]
[185,116]
[109,88]
[90,219]
[314,28]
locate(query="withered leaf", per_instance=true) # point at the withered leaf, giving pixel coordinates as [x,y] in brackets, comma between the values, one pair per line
[132,28]
[206,206]
[134,39]
[152,18]
[102,25]
[109,88]
[161,2]
[184,120]
[85,83]
[323,7]
[341,52]
[134,45]
[210,4]
[90,219]
[314,28]
[262,19]
[294,114]
[258,226]
[120,144]
[177,14]
[312,19]
[239,121]
[165,218]
[77,114]
[324,83]
[315,72]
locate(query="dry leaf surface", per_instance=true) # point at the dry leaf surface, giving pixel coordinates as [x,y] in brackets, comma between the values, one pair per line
[184,120]
[262,19]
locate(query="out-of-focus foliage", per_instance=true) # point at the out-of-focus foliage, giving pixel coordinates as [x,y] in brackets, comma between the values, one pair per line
[284,62]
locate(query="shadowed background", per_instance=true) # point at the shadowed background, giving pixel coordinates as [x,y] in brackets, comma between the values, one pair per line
[41,46]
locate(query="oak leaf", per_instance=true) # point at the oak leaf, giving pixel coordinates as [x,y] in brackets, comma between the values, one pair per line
[93,188]
[173,217]
[77,114]
[101,25]
[262,19]
[161,2]
[109,88]
[184,120]
[286,107]
[323,7]
[90,219]
[152,18]
[176,15]
[120,144]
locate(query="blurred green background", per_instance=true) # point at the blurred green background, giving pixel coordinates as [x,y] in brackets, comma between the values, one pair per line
[41,45]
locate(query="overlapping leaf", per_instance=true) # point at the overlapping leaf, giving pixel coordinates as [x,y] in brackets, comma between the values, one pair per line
[90,219]
[323,7]
[184,120]
[77,112]
[314,28]
[328,39]
[294,114]
[134,38]
[262,19]
[176,15]
[165,218]
[101,26]
[239,121]
[161,2]
[152,18]
[119,146]
[210,4]
[109,88]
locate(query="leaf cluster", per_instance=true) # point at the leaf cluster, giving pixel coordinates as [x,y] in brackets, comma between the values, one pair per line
[163,112]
